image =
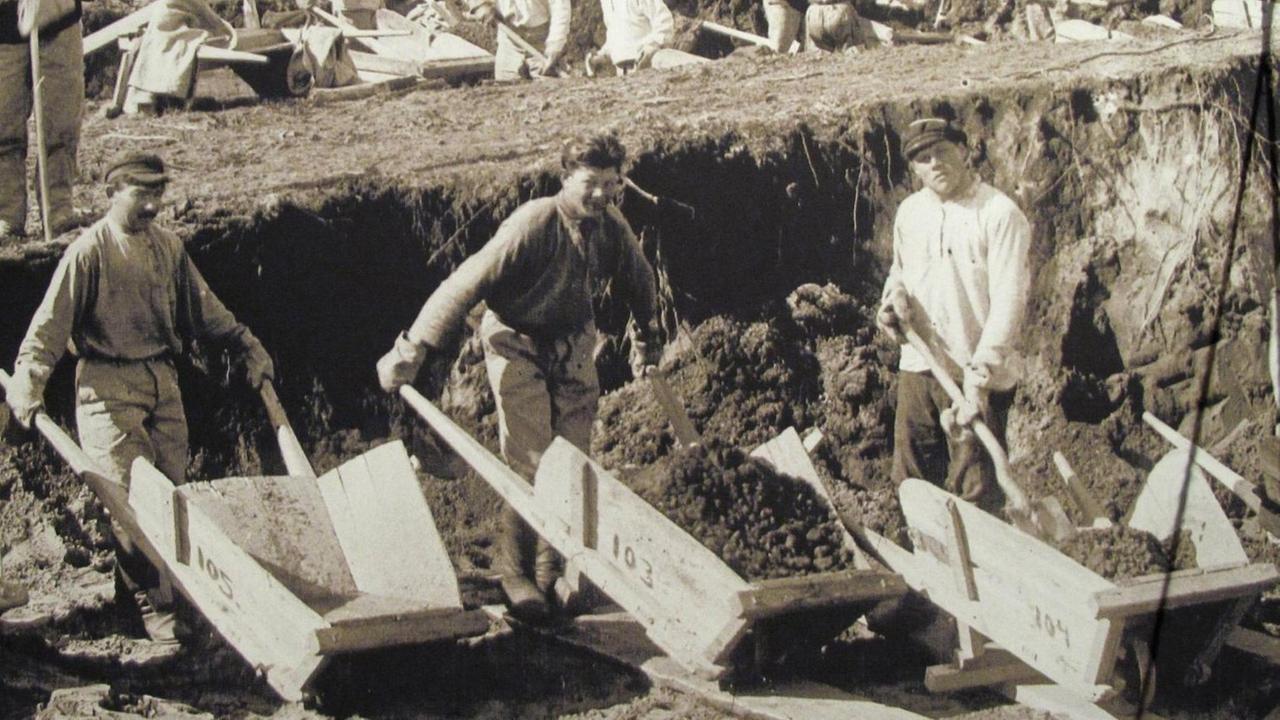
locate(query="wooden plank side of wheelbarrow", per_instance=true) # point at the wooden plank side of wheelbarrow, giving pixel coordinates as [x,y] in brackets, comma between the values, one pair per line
[270,627]
[1031,599]
[386,529]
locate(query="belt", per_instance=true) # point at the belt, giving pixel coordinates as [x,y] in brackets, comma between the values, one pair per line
[165,356]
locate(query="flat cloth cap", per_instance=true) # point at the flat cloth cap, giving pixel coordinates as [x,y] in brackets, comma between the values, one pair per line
[137,168]
[927,132]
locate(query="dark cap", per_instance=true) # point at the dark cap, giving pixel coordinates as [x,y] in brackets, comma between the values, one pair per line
[137,168]
[927,132]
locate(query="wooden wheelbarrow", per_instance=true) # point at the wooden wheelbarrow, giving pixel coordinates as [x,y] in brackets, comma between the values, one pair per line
[691,604]
[1027,612]
[292,570]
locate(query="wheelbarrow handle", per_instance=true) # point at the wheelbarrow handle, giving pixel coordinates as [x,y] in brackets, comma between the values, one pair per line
[295,459]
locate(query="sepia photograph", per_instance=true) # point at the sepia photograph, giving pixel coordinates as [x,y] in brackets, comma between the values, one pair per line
[639,360]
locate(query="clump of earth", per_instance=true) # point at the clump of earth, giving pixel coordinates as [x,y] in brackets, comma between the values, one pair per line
[762,523]
[1120,552]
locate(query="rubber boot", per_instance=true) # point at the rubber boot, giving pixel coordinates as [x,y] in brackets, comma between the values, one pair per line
[516,556]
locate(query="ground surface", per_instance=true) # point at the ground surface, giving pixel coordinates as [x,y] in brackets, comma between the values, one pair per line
[315,223]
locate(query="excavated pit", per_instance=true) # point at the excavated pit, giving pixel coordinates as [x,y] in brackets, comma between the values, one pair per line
[325,226]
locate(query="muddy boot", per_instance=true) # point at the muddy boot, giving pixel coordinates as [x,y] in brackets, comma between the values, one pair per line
[516,551]
[12,595]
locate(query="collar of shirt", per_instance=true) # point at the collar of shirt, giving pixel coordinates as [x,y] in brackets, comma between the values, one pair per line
[961,197]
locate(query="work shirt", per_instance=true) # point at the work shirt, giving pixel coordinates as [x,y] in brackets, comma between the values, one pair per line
[964,262]
[537,272]
[537,13]
[117,296]
[632,24]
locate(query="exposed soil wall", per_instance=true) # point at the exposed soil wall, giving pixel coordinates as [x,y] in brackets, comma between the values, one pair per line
[1130,182]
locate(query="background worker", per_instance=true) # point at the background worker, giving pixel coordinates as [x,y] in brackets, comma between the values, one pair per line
[635,30]
[62,92]
[532,19]
[536,276]
[128,299]
[833,26]
[960,277]
[784,18]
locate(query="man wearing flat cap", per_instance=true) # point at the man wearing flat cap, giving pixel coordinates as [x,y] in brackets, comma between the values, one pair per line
[126,298]
[960,277]
[537,276]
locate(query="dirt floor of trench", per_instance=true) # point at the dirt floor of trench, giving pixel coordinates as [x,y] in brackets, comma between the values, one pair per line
[324,226]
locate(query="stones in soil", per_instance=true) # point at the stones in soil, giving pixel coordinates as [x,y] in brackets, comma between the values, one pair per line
[1120,552]
[762,523]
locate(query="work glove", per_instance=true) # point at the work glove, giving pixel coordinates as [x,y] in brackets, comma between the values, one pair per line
[895,314]
[258,367]
[400,366]
[25,396]
[544,69]
[483,12]
[977,378]
[958,432]
[646,351]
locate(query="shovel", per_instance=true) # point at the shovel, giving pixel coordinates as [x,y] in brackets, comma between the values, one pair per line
[686,434]
[1045,518]
[295,460]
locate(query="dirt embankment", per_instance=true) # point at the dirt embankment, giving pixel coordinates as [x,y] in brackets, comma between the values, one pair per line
[324,228]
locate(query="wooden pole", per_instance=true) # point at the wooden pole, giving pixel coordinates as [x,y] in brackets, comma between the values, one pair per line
[37,102]
[295,460]
[1017,496]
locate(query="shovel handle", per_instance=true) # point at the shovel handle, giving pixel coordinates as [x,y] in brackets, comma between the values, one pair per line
[681,425]
[1079,493]
[295,459]
[1013,491]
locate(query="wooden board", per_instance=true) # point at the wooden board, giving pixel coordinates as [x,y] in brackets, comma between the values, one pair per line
[282,523]
[617,636]
[645,562]
[1157,511]
[386,530]
[258,616]
[1061,703]
[787,454]
[1184,588]
[1083,31]
[1241,14]
[422,46]
[126,25]
[1031,599]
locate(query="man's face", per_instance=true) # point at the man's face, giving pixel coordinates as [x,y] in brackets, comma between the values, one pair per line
[588,191]
[138,205]
[943,168]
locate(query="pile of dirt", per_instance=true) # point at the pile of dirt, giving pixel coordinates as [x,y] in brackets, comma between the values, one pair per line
[742,383]
[1120,552]
[762,523]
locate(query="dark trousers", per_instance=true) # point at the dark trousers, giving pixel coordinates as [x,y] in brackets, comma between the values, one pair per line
[921,449]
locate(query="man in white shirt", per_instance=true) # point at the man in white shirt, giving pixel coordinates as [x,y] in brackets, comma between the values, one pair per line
[635,30]
[960,276]
[532,19]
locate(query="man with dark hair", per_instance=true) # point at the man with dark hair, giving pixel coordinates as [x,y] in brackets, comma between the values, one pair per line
[960,277]
[62,90]
[536,276]
[128,299]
